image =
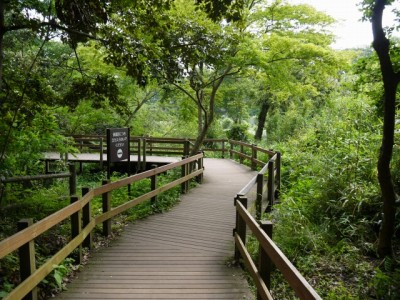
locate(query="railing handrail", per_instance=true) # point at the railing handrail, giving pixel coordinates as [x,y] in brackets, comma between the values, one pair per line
[28,234]
[271,252]
[34,177]
[301,287]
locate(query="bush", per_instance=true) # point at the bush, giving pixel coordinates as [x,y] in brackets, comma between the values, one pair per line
[238,132]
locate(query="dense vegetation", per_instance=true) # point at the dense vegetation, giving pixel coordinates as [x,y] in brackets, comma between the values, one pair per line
[261,71]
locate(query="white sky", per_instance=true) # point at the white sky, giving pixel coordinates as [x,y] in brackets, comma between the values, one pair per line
[350,31]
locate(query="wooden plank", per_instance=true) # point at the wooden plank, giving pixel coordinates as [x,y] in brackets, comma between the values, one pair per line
[180,254]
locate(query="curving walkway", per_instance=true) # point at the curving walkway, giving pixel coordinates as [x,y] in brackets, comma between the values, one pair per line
[181,254]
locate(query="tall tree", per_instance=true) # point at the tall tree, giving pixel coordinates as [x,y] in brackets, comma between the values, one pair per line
[182,48]
[293,52]
[391,78]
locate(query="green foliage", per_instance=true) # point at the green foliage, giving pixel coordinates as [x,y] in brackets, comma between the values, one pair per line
[329,215]
[55,280]
[230,9]
[40,202]
[23,148]
[238,132]
[330,177]
[103,91]
[386,283]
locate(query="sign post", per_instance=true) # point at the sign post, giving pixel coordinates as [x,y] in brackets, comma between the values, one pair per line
[117,147]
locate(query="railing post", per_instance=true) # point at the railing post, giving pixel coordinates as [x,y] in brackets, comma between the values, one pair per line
[47,166]
[139,161]
[271,186]
[231,149]
[150,146]
[86,218]
[253,157]
[76,225]
[27,263]
[264,262]
[278,174]
[144,155]
[184,172]
[153,185]
[101,153]
[223,148]
[240,225]
[72,179]
[259,197]
[186,148]
[241,152]
[200,166]
[106,207]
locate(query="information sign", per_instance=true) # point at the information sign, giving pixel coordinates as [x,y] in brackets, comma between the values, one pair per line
[117,144]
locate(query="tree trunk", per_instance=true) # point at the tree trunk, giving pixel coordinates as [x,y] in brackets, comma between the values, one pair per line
[207,114]
[262,116]
[390,81]
[202,135]
[385,177]
[199,120]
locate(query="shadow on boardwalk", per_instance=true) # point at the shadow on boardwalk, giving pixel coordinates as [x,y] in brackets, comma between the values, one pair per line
[181,254]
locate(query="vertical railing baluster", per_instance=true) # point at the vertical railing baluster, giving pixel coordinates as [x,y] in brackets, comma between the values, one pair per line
[76,225]
[144,154]
[259,197]
[278,173]
[153,185]
[240,229]
[27,261]
[106,207]
[253,157]
[241,153]
[72,179]
[86,218]
[271,186]
[264,262]
[200,166]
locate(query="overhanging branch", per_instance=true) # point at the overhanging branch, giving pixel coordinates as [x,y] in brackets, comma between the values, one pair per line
[53,25]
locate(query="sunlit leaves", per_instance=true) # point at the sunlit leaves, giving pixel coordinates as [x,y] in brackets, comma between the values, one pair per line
[165,46]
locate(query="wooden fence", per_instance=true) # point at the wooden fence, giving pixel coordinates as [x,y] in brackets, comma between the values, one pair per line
[71,180]
[267,183]
[82,222]
[143,147]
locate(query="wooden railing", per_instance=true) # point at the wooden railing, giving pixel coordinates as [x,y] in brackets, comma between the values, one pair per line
[83,222]
[266,182]
[268,252]
[71,180]
[143,147]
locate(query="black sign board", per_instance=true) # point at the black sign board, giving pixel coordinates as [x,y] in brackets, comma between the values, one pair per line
[117,144]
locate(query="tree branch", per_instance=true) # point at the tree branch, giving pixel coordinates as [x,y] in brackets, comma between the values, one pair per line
[184,91]
[53,25]
[226,73]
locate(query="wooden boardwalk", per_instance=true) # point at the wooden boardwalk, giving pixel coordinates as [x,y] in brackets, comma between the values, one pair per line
[181,254]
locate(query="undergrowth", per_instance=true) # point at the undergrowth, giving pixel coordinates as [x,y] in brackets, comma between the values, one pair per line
[40,201]
[328,219]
